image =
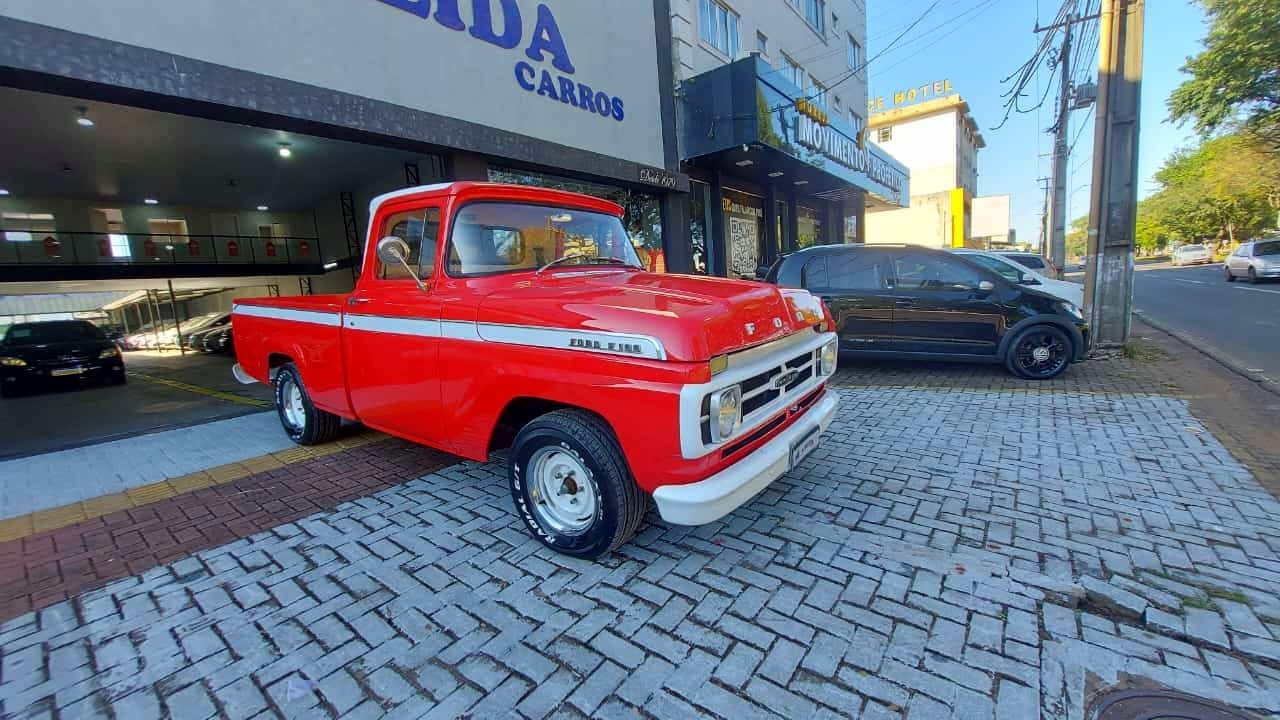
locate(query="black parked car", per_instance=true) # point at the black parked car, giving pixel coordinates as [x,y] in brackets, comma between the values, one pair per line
[36,354]
[915,302]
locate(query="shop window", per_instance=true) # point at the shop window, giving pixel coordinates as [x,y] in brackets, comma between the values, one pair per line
[719,27]
[700,226]
[744,232]
[884,134]
[809,226]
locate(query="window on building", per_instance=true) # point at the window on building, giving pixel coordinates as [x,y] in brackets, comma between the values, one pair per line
[855,120]
[852,53]
[836,105]
[815,12]
[762,44]
[817,91]
[719,26]
[791,71]
[884,134]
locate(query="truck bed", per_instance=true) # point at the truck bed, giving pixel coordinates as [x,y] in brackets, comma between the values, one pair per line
[303,329]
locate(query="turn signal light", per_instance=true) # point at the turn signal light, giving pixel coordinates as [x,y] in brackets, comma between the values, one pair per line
[719,364]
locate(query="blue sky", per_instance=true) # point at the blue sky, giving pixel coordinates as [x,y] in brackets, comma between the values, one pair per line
[976,43]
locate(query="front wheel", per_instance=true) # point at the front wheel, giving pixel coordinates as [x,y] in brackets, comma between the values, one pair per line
[303,422]
[1230,277]
[1253,276]
[1040,352]
[572,486]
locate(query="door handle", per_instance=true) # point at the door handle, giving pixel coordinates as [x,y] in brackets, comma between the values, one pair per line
[903,303]
[357,300]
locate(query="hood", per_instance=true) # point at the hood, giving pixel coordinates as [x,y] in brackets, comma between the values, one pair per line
[694,317]
[57,352]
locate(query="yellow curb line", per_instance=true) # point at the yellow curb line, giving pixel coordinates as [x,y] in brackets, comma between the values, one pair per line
[16,528]
[217,394]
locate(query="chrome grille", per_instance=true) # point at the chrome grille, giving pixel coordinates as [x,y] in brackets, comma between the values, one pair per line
[761,391]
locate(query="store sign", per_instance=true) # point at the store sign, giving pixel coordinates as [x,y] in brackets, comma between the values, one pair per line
[544,44]
[830,143]
[661,178]
[738,208]
[808,109]
[937,88]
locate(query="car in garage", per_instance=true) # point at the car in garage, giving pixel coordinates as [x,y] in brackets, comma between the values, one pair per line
[1254,261]
[905,301]
[41,354]
[1191,255]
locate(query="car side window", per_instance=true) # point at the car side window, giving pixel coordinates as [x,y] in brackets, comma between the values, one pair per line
[814,273]
[922,271]
[1005,270]
[857,271]
[420,229]
[1032,261]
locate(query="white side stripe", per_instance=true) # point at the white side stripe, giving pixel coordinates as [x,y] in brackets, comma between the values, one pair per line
[315,317]
[423,327]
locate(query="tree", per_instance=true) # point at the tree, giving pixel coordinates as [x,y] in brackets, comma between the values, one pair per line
[1078,237]
[1236,79]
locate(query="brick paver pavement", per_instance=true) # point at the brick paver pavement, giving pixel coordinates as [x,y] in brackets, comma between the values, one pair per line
[949,551]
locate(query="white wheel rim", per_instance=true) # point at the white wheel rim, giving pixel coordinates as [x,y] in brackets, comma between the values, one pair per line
[294,412]
[563,492]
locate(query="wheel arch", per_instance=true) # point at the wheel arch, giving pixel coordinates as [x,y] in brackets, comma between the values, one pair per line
[1073,333]
[521,410]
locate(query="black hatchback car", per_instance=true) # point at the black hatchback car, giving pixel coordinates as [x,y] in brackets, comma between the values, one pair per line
[915,302]
[39,354]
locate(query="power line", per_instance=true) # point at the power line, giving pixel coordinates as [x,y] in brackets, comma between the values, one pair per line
[832,85]
[1029,69]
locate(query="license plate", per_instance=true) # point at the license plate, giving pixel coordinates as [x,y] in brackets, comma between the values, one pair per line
[62,372]
[801,448]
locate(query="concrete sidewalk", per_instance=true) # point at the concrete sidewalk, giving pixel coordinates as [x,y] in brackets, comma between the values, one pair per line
[61,478]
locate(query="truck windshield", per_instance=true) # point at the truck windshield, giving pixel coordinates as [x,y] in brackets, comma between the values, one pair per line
[498,237]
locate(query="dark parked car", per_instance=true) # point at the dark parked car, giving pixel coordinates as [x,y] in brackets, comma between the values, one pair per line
[219,341]
[915,302]
[39,354]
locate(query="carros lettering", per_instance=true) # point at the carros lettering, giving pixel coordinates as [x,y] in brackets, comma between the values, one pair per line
[500,23]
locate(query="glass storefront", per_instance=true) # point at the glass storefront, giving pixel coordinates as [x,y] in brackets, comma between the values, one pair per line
[743,232]
[643,211]
[809,226]
[700,226]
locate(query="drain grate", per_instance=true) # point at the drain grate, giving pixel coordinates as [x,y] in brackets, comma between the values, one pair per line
[1160,705]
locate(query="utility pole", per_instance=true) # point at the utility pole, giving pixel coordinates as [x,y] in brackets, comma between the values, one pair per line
[1108,293]
[1057,222]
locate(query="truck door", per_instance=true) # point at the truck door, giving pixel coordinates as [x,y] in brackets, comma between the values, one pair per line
[391,331]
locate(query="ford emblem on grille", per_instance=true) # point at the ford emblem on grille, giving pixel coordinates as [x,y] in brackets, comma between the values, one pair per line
[785,379]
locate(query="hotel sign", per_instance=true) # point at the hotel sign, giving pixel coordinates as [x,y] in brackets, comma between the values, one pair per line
[937,88]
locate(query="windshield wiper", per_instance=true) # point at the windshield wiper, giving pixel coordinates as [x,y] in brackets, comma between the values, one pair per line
[587,260]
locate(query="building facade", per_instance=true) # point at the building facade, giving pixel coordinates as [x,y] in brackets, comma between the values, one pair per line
[938,140]
[771,117]
[209,134]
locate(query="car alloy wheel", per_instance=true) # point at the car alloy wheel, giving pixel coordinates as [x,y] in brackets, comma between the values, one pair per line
[1040,353]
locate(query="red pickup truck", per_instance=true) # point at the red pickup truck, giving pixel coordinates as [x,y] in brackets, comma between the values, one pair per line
[495,316]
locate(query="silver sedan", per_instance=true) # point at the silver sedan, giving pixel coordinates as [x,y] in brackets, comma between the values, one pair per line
[1256,260]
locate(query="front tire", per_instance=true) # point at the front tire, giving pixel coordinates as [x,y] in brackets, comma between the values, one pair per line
[302,421]
[1040,352]
[1253,276]
[571,485]
[1230,277]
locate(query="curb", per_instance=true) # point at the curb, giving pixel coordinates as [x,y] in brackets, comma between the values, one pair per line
[1262,380]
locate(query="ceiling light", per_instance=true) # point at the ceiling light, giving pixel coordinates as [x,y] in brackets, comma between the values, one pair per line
[778,173]
[151,201]
[3,192]
[285,151]
[83,120]
[802,182]
[744,163]
[330,265]
[263,208]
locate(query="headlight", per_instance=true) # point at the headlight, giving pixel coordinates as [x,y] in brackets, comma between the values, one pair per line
[828,364]
[1071,309]
[12,362]
[726,412]
[108,353]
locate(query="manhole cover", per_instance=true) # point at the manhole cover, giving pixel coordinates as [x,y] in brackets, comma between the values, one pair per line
[1154,705]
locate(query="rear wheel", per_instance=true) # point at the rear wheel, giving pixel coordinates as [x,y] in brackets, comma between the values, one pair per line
[1040,352]
[302,421]
[1230,277]
[571,484]
[1253,276]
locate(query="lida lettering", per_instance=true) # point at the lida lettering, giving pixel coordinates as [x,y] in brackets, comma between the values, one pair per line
[605,346]
[545,43]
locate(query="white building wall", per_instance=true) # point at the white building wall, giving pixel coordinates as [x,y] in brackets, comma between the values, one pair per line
[821,55]
[927,146]
[927,222]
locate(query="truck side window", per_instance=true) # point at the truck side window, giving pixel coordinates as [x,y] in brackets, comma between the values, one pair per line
[420,229]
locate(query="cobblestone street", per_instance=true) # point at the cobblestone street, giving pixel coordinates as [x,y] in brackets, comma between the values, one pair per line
[948,552]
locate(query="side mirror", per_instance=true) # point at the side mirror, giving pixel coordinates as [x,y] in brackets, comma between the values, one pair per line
[986,286]
[395,251]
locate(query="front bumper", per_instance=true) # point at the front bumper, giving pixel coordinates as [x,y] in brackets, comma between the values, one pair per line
[707,500]
[38,375]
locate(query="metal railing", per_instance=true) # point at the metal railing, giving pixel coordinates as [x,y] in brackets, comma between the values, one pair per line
[95,248]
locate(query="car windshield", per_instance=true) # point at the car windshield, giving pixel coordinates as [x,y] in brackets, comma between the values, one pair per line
[1006,269]
[1271,247]
[498,237]
[52,332]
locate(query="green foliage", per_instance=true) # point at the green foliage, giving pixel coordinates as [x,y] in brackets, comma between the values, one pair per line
[1078,237]
[1236,78]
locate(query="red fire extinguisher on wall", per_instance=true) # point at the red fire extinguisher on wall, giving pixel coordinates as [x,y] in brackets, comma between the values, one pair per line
[193,247]
[271,249]
[51,246]
[304,248]
[104,247]
[233,248]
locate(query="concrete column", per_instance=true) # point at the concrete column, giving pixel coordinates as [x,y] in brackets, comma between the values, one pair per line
[675,232]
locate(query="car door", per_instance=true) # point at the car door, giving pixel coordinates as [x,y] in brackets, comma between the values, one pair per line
[943,305]
[854,283]
[1239,260]
[391,332]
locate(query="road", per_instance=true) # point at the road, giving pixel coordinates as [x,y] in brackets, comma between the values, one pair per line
[1236,320]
